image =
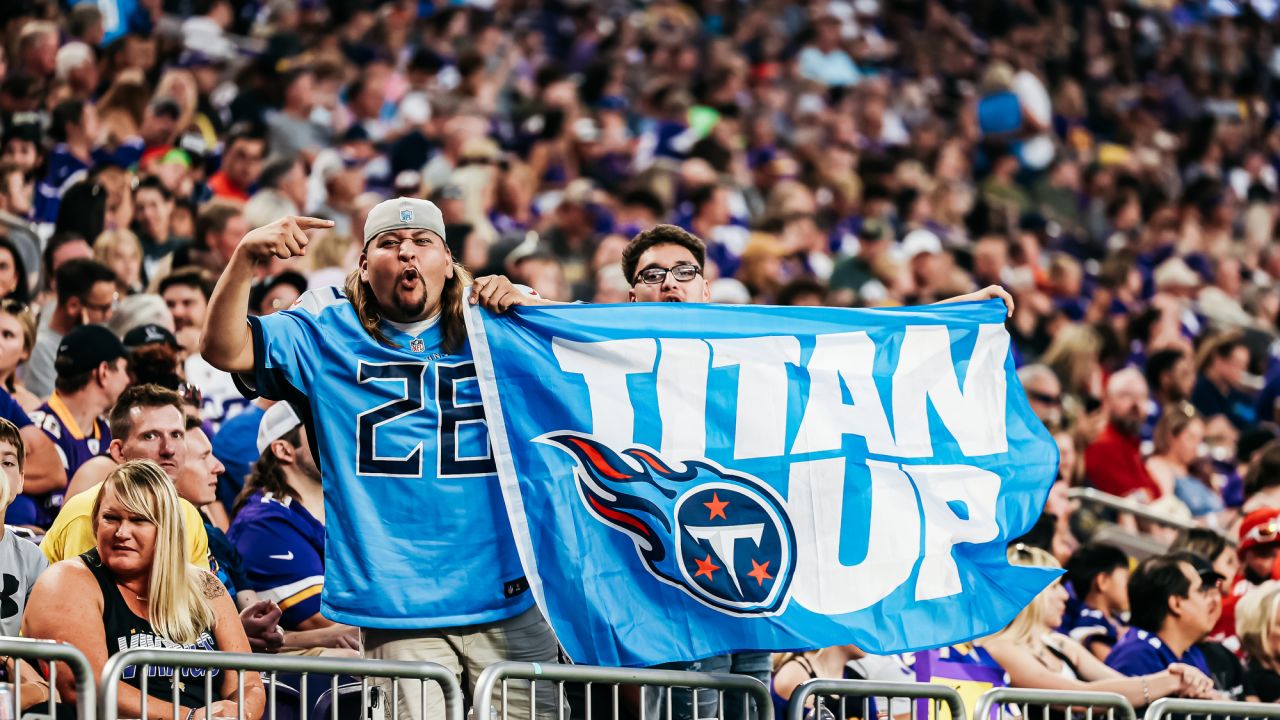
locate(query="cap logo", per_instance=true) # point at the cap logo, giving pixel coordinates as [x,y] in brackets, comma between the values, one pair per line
[153,335]
[406,215]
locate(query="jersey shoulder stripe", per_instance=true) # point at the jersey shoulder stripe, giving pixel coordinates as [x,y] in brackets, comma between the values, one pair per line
[316,300]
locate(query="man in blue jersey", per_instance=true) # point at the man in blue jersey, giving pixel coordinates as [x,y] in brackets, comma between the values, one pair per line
[92,372]
[1175,600]
[419,550]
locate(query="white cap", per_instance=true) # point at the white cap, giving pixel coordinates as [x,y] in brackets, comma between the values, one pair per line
[920,241]
[71,56]
[275,424]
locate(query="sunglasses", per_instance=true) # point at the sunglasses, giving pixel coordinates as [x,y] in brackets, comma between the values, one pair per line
[1045,398]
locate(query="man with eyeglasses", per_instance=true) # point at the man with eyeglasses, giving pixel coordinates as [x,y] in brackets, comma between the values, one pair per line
[87,293]
[1174,602]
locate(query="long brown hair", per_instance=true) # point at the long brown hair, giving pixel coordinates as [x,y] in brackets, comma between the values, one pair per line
[268,476]
[452,319]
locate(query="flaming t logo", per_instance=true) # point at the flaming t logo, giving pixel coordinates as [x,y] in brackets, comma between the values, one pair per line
[722,537]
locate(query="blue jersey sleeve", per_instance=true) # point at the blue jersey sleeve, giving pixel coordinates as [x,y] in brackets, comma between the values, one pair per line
[10,410]
[283,348]
[282,566]
[1136,658]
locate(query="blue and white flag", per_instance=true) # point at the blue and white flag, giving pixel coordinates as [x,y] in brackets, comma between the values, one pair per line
[690,480]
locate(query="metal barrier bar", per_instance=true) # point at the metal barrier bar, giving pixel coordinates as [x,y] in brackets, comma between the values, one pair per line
[498,676]
[53,653]
[821,690]
[988,706]
[146,658]
[1164,708]
[1097,497]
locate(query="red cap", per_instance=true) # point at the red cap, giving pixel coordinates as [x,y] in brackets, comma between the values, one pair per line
[1260,527]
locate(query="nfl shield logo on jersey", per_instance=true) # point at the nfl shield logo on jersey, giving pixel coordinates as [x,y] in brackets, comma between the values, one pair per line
[416,344]
[406,215]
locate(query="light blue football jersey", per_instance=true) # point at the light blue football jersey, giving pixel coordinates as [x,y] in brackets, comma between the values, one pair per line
[417,535]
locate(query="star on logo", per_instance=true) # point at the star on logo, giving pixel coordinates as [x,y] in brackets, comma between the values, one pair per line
[717,506]
[706,567]
[760,572]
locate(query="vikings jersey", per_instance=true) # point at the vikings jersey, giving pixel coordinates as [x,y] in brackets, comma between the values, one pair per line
[418,535]
[1091,626]
[75,446]
[281,548]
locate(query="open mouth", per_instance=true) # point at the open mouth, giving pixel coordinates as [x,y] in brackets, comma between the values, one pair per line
[672,298]
[409,278]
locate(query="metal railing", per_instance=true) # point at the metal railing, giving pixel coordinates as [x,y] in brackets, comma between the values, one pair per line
[823,691]
[988,706]
[1167,707]
[1097,497]
[144,659]
[53,653]
[499,676]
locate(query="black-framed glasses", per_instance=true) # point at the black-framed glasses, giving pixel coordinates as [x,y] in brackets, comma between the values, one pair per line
[682,273]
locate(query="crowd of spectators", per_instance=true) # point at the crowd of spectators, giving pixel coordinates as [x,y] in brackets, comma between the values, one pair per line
[1114,165]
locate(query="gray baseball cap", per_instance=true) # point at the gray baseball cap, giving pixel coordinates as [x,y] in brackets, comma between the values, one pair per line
[403,213]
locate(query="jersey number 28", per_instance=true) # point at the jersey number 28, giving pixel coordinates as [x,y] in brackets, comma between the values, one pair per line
[453,414]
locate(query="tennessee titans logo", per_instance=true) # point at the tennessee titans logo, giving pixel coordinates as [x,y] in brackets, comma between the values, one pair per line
[722,537]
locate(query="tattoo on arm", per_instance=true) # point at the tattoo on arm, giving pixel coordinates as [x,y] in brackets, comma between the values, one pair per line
[213,586]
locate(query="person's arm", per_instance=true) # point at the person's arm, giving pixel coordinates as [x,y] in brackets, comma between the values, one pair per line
[227,342]
[1025,670]
[986,293]
[788,678]
[332,636]
[230,636]
[92,472]
[43,471]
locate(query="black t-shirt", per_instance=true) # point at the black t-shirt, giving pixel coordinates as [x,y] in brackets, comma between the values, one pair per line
[1262,682]
[1226,671]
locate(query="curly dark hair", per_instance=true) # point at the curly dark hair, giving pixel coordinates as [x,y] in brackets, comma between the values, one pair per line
[661,235]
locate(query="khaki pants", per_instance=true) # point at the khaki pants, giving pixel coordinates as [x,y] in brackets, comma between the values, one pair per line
[467,651]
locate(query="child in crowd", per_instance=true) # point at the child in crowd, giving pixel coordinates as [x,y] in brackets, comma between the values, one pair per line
[21,562]
[1099,577]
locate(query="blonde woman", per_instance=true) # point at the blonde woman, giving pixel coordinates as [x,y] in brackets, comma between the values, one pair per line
[136,589]
[1258,627]
[121,251]
[1035,656]
[17,337]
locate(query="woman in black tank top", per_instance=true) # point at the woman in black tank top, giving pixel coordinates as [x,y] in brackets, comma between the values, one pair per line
[124,630]
[136,589]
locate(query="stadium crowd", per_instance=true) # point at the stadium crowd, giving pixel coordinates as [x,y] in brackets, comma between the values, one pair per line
[1115,166]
